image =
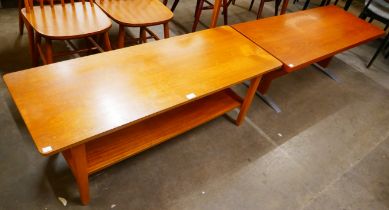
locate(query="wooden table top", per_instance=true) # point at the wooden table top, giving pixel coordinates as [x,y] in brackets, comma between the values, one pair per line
[302,38]
[69,21]
[68,103]
[136,12]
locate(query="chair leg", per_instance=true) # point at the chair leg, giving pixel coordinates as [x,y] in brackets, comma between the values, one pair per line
[225,12]
[164,2]
[38,40]
[347,5]
[107,43]
[49,51]
[121,37]
[277,6]
[260,8]
[142,35]
[251,5]
[378,51]
[31,45]
[233,2]
[21,22]
[174,5]
[198,11]
[166,30]
[306,4]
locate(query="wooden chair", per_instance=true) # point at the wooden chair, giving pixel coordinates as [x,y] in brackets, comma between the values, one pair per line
[137,13]
[64,21]
[200,7]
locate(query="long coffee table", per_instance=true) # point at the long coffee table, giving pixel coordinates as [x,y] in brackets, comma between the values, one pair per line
[307,37]
[98,110]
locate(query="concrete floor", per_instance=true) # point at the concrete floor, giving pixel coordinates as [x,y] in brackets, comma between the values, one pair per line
[328,149]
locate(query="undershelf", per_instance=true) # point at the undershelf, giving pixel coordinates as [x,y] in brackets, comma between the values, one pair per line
[136,138]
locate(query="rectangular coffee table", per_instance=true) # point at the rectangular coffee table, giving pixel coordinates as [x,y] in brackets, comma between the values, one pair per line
[307,37]
[100,109]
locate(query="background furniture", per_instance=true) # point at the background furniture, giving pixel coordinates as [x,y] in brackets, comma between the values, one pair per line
[64,21]
[377,10]
[262,4]
[200,7]
[160,90]
[326,3]
[137,13]
[329,33]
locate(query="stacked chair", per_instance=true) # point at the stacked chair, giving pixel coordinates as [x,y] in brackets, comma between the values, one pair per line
[50,20]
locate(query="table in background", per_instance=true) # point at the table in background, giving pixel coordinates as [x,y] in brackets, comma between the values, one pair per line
[306,37]
[100,109]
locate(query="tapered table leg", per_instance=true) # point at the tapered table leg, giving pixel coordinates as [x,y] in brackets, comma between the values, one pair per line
[76,159]
[248,99]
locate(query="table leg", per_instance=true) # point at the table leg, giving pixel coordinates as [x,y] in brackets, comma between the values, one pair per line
[264,87]
[322,67]
[248,99]
[76,158]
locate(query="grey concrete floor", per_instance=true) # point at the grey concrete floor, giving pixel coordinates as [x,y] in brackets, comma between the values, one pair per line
[328,149]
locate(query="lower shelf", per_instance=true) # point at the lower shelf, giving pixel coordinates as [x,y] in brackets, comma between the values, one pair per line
[124,143]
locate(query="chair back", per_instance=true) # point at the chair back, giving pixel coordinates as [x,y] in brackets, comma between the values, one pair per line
[29,4]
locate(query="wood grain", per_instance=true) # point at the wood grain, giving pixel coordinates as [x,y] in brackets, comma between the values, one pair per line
[72,102]
[119,145]
[136,13]
[302,38]
[69,21]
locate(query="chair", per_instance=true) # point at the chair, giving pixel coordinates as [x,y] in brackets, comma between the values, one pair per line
[377,10]
[137,13]
[200,7]
[64,21]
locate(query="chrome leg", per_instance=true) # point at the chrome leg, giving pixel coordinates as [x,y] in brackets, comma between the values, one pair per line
[327,72]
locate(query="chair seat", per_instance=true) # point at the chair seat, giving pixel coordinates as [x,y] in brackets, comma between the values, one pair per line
[71,21]
[380,8]
[135,13]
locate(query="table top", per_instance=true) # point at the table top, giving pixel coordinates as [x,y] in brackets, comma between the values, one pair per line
[136,12]
[302,38]
[68,103]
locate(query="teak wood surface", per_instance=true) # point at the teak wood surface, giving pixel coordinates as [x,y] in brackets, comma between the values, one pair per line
[67,21]
[306,37]
[74,101]
[302,38]
[101,109]
[136,12]
[63,21]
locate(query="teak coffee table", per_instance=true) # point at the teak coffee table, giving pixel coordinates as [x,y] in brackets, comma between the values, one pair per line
[307,37]
[98,110]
